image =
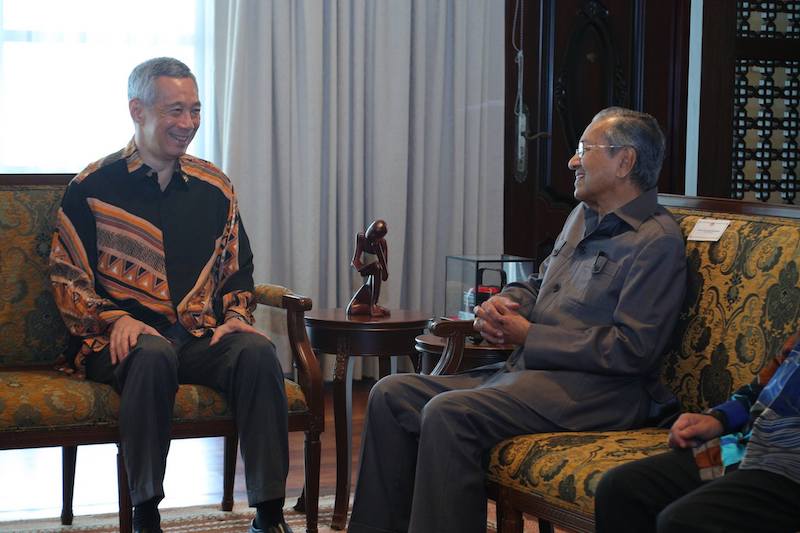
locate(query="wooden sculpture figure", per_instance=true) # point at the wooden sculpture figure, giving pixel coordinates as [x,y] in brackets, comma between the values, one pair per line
[365,299]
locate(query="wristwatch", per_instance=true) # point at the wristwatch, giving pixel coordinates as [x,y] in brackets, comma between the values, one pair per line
[719,415]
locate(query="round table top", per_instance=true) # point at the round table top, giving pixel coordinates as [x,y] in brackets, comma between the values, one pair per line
[399,318]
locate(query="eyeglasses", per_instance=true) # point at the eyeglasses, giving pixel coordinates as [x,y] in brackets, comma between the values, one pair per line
[583,147]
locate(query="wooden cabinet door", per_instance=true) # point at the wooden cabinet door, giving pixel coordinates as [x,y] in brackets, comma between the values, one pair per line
[578,57]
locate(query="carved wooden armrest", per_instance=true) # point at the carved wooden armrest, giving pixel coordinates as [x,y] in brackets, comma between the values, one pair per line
[456,332]
[309,375]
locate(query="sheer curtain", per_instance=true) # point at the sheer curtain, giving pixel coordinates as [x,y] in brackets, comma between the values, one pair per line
[331,114]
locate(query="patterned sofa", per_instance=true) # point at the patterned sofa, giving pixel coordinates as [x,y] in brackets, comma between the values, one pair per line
[40,406]
[743,300]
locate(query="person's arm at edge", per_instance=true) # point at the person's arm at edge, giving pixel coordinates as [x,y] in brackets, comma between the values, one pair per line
[692,429]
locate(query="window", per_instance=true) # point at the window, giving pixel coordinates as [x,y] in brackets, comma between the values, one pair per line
[63,74]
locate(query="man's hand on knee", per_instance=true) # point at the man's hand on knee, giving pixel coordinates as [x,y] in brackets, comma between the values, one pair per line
[124,335]
[234,325]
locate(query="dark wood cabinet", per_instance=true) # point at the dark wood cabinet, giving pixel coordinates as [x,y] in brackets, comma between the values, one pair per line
[579,57]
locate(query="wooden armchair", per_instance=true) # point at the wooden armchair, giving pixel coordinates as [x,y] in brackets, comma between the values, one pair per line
[456,333]
[42,407]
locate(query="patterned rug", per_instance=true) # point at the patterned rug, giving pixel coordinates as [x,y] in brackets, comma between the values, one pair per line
[201,519]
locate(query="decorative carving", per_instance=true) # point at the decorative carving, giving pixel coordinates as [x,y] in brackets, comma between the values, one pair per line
[594,10]
[766,106]
[365,299]
[767,19]
[590,52]
[766,119]
[342,356]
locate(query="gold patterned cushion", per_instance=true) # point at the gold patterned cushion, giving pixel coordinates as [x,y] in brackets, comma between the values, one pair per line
[49,398]
[742,302]
[271,295]
[45,398]
[31,329]
[564,468]
[295,397]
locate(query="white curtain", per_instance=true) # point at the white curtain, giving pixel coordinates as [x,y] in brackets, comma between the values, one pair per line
[330,114]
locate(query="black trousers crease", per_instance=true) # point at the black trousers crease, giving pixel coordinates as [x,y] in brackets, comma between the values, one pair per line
[664,493]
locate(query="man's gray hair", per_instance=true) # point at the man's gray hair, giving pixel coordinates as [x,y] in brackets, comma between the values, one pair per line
[141,82]
[642,132]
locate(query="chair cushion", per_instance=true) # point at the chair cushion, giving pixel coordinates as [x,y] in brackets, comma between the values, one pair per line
[295,397]
[46,399]
[564,468]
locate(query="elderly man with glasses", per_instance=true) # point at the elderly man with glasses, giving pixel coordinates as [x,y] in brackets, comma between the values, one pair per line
[591,329]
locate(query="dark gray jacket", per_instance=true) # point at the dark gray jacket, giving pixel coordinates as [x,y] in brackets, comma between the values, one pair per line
[603,307]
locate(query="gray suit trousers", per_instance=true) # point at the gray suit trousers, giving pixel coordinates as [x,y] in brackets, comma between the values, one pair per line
[241,365]
[425,446]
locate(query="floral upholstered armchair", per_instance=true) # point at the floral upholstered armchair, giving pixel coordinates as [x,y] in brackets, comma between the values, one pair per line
[40,406]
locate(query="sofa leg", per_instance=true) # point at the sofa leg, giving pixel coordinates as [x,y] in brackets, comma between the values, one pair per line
[229,471]
[310,496]
[69,456]
[125,507]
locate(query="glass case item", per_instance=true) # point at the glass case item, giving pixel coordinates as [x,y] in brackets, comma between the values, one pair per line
[472,279]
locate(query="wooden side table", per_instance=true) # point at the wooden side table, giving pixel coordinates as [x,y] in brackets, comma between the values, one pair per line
[430,348]
[332,331]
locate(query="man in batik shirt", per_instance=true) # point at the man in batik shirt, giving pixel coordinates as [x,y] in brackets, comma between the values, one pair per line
[152,270]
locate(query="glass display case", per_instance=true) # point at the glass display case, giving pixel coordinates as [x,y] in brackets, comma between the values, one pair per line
[473,279]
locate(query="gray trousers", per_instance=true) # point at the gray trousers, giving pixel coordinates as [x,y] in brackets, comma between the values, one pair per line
[425,446]
[241,365]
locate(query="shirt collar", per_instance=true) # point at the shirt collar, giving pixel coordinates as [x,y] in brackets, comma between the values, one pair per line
[635,212]
[137,166]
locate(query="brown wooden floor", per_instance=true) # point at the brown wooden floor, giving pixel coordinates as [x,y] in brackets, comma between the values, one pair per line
[30,480]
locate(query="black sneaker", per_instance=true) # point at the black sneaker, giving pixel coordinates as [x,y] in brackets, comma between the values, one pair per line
[283,527]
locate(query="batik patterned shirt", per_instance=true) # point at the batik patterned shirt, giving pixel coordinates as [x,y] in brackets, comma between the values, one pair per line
[122,246]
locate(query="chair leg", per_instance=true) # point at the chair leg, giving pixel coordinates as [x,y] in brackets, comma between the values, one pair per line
[229,471]
[545,526]
[310,496]
[69,456]
[509,520]
[125,506]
